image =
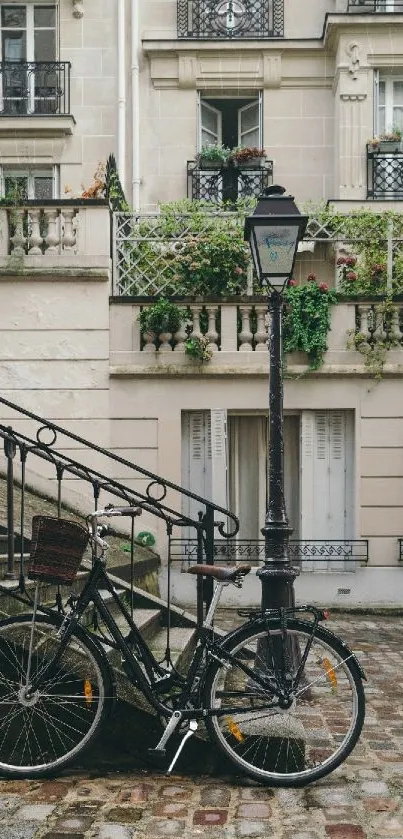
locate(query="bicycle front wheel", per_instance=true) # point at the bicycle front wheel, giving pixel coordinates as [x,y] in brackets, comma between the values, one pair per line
[281,746]
[42,732]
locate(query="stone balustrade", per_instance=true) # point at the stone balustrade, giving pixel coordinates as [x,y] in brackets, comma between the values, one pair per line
[237,329]
[37,236]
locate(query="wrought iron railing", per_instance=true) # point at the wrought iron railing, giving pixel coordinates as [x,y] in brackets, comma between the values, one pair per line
[39,88]
[35,449]
[400,543]
[230,18]
[307,554]
[384,173]
[372,6]
[229,182]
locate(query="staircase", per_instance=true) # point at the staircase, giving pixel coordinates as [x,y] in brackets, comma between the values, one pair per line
[19,502]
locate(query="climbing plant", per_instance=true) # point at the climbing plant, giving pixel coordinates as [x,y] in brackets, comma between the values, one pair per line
[307,319]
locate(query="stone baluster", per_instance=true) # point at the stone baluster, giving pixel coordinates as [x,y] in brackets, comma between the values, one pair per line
[395,324]
[364,313]
[68,234]
[149,345]
[180,337]
[164,339]
[53,236]
[196,329]
[245,335]
[16,222]
[212,333]
[261,333]
[34,231]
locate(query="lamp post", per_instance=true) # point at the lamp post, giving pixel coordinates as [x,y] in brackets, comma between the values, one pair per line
[273,233]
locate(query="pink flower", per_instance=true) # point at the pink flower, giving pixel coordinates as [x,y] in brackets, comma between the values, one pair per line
[341,260]
[351,275]
[323,287]
[291,283]
[351,261]
[239,270]
[311,278]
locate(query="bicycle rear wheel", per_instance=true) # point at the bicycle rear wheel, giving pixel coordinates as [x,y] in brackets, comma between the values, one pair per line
[292,746]
[40,734]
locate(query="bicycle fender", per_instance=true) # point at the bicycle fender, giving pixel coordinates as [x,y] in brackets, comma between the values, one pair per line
[262,623]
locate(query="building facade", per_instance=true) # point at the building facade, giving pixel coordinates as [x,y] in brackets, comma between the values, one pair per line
[154,82]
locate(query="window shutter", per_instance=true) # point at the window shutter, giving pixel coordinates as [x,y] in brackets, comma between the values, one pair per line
[219,460]
[249,133]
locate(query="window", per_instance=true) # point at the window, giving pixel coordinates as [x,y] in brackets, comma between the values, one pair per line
[389,111]
[233,122]
[20,183]
[28,53]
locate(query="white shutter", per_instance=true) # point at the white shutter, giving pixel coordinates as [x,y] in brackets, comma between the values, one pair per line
[249,133]
[196,460]
[210,124]
[327,469]
[219,460]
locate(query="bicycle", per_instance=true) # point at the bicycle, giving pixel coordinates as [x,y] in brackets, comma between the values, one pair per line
[281,696]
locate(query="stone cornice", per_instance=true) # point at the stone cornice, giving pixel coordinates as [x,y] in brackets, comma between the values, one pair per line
[212,69]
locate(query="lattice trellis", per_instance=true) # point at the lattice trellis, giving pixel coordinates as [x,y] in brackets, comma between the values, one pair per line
[148,249]
[230,18]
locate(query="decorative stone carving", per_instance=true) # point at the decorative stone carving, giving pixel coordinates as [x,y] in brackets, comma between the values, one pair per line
[187,71]
[353,52]
[78,9]
[271,70]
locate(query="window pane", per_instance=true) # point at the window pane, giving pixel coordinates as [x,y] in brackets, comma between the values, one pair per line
[16,188]
[250,119]
[14,48]
[381,93]
[43,187]
[45,16]
[45,45]
[13,16]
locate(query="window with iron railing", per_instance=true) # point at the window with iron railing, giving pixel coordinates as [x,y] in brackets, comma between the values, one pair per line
[230,18]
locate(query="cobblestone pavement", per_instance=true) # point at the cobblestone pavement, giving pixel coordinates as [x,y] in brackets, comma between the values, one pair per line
[360,800]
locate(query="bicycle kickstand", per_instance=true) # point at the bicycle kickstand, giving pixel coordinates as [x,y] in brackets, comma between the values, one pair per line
[193,726]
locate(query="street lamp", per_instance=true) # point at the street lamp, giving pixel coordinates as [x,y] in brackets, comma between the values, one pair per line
[273,233]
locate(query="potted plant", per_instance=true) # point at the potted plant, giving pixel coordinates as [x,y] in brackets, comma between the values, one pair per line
[247,156]
[212,156]
[388,141]
[160,318]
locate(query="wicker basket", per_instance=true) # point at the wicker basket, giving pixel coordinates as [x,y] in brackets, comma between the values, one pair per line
[57,549]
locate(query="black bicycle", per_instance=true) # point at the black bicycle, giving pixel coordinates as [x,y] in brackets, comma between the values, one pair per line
[281,696]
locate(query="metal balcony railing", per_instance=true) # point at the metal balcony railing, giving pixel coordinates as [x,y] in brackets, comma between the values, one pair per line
[372,6]
[30,88]
[384,173]
[306,554]
[230,18]
[229,182]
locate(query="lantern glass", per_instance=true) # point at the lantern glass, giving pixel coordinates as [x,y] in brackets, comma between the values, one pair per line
[274,248]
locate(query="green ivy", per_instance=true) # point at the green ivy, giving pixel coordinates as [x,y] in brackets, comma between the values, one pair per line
[162,316]
[307,319]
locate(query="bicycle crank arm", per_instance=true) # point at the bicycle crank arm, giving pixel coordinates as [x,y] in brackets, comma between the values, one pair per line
[159,750]
[193,726]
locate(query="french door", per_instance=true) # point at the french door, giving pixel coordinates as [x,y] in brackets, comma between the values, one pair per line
[28,54]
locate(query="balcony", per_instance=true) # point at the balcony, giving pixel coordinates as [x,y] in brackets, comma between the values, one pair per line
[213,19]
[229,182]
[385,172]
[60,237]
[375,6]
[35,96]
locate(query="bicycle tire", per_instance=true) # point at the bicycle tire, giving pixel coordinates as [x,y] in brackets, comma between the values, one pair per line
[40,736]
[293,747]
